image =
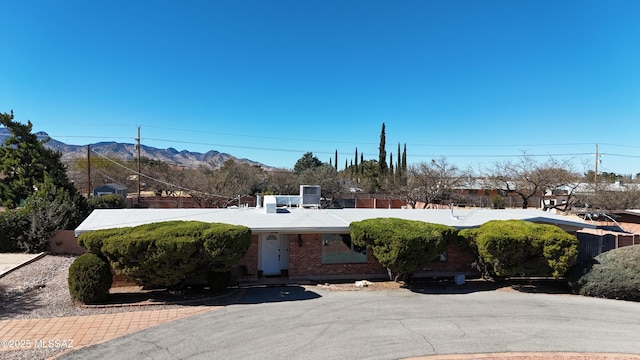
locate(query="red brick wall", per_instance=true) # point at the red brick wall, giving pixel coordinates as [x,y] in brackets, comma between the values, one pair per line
[250,259]
[457,261]
[306,261]
[121,280]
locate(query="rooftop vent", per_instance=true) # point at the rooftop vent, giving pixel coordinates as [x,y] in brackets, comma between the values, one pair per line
[310,196]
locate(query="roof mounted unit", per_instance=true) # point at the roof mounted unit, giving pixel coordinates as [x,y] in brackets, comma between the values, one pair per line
[310,196]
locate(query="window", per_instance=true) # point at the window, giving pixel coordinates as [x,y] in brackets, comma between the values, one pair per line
[338,249]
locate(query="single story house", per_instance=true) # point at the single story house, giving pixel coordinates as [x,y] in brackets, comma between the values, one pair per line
[307,242]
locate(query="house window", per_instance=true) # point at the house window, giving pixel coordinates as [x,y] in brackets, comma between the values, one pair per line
[338,249]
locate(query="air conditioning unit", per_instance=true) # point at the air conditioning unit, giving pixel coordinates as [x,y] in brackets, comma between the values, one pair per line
[310,196]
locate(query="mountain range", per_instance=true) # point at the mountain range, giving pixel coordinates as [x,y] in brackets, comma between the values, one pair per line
[211,159]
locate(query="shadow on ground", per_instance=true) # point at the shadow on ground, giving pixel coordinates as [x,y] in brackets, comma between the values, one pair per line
[19,301]
[440,286]
[258,295]
[135,295]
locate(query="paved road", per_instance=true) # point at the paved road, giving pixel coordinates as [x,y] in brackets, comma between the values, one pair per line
[312,323]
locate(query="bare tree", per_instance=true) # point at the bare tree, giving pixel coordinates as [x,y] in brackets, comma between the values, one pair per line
[237,179]
[433,182]
[529,179]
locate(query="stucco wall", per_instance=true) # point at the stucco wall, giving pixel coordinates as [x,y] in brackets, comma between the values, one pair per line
[65,242]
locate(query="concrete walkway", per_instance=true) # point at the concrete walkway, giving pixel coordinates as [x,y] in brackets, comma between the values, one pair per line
[77,331]
[12,261]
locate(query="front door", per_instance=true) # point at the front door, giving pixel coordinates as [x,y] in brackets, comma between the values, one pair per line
[271,255]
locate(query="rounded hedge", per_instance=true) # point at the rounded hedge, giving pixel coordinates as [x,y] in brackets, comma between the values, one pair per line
[614,274]
[90,279]
[402,245]
[520,248]
[169,254]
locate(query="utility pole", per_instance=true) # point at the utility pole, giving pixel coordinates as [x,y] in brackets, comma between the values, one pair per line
[138,146]
[595,177]
[598,160]
[89,172]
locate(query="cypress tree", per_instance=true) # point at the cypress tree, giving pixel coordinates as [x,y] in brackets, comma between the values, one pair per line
[356,166]
[382,157]
[399,165]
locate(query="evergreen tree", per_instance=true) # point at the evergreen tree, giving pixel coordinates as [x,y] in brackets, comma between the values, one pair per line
[307,161]
[404,159]
[382,158]
[24,163]
[356,165]
[336,163]
[399,165]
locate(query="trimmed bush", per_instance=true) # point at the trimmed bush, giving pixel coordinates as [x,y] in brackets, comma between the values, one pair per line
[226,244]
[107,201]
[89,279]
[402,245]
[614,274]
[516,247]
[168,254]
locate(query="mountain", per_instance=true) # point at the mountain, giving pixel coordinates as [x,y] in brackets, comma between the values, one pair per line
[211,159]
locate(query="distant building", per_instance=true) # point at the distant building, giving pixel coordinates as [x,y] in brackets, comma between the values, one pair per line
[110,189]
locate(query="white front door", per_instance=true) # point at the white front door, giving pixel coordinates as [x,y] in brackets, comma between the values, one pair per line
[271,255]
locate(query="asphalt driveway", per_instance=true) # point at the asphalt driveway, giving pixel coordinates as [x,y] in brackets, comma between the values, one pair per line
[315,323]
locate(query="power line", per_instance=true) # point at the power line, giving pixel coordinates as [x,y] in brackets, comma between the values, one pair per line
[413,155]
[161,181]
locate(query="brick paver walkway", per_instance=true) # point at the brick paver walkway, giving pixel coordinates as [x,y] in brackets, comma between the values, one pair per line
[78,331]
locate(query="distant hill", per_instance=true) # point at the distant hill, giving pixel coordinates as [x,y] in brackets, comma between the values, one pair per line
[211,159]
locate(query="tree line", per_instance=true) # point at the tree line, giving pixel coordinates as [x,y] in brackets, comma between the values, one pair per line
[524,181]
[27,165]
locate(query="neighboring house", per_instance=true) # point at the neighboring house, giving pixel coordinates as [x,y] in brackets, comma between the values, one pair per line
[614,229]
[110,189]
[305,242]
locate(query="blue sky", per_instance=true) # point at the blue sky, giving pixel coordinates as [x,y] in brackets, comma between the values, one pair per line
[473,81]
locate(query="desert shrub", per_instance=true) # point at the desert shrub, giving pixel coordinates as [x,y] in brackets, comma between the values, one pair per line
[614,274]
[167,254]
[45,212]
[89,279]
[13,230]
[402,245]
[108,201]
[516,247]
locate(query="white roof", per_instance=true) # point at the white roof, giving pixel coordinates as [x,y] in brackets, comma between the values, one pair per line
[301,220]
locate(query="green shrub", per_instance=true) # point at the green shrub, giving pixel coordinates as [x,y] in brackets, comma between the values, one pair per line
[402,245]
[614,274]
[516,247]
[89,279]
[13,230]
[167,254]
[226,244]
[108,201]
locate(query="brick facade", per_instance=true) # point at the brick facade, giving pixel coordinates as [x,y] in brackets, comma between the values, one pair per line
[305,261]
